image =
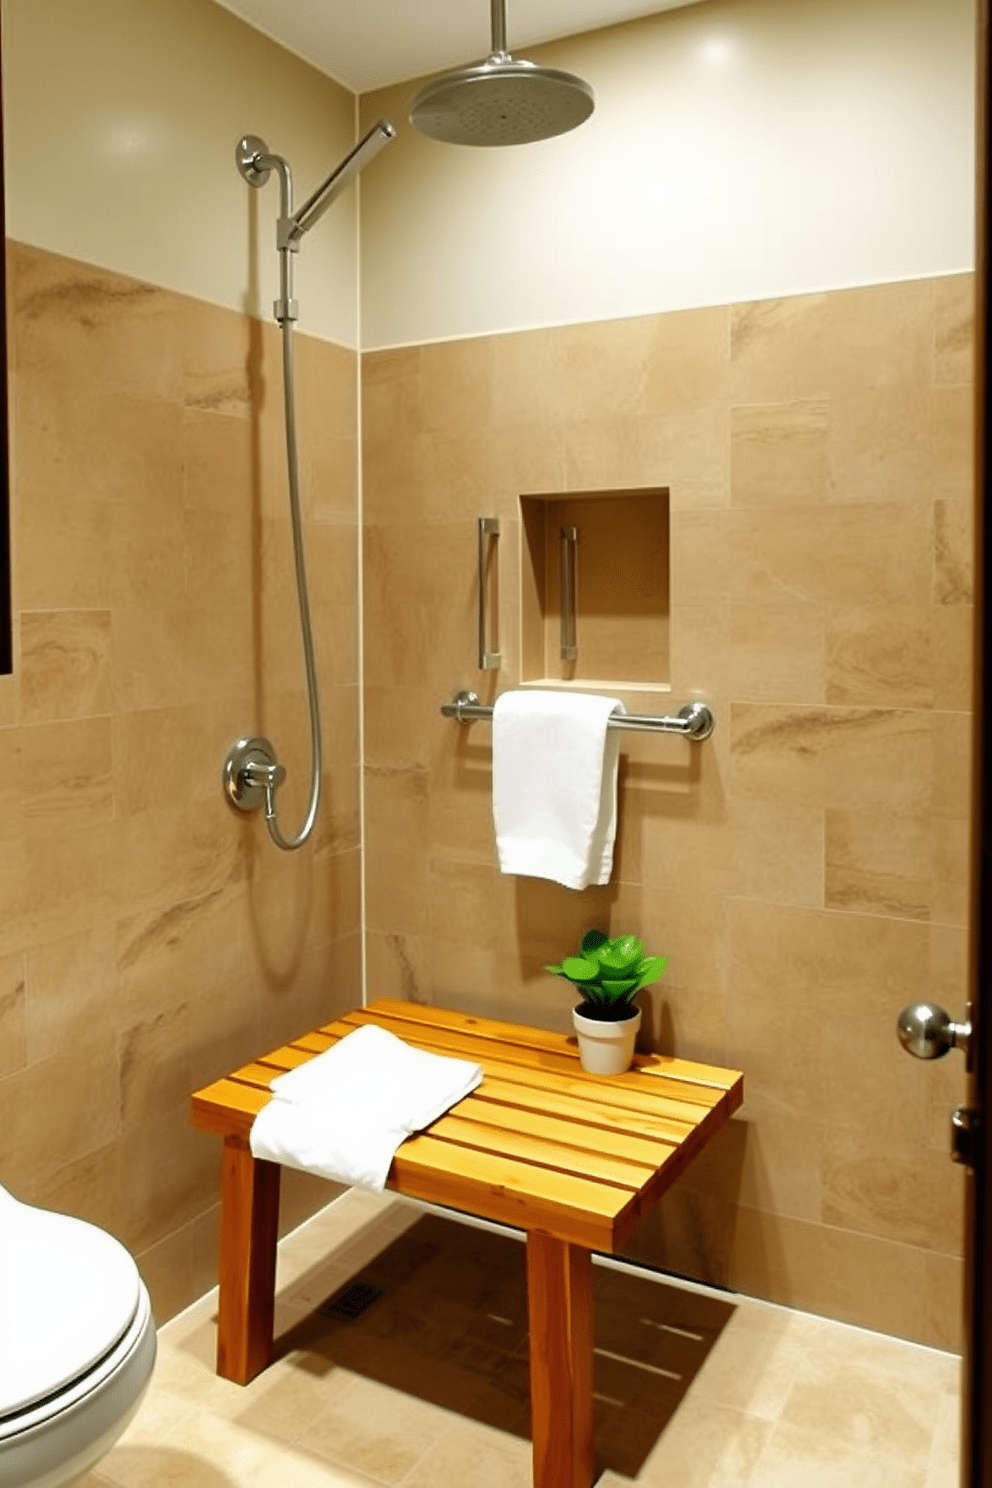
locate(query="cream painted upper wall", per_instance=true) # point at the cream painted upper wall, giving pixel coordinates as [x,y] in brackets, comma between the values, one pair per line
[120,121]
[740,149]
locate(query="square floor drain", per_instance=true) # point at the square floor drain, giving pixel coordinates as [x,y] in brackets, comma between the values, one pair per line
[353,1301]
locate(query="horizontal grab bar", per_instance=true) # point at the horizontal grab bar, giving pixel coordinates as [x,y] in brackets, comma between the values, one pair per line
[694,721]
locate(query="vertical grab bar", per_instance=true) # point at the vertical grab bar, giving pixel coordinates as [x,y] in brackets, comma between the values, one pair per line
[489,661]
[569,546]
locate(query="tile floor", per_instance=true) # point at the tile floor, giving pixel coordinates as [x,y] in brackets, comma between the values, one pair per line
[427,1386]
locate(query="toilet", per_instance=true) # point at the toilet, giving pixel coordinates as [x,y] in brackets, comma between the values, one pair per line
[77,1345]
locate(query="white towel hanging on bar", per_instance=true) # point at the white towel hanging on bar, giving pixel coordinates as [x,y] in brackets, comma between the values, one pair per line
[555,785]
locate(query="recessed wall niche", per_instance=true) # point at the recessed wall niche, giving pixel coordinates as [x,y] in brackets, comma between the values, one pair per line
[595,587]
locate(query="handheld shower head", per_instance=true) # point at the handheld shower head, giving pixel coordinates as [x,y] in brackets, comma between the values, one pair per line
[254,161]
[501,100]
[341,176]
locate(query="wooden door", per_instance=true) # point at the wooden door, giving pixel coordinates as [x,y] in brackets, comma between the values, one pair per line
[976,1455]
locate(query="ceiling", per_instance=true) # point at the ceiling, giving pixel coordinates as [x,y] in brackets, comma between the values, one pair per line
[367,44]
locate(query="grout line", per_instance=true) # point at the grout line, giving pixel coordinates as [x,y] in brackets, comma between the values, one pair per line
[360,594]
[444,1432]
[676,306]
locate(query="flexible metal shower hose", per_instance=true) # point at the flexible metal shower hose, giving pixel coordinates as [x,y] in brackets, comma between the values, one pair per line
[289,844]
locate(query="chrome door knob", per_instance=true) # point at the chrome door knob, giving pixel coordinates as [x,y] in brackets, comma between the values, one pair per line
[927,1032]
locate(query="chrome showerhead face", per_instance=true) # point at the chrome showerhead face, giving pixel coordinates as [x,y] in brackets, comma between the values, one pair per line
[501,101]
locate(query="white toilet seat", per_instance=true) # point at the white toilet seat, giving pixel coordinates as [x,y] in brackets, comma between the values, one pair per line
[68,1294]
[93,1334]
[92,1383]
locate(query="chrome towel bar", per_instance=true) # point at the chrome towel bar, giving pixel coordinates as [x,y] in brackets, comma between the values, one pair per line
[694,721]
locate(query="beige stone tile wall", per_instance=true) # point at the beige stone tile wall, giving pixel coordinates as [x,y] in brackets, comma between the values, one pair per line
[804,869]
[151,938]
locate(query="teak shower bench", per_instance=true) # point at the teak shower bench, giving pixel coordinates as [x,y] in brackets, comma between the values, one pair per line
[575,1160]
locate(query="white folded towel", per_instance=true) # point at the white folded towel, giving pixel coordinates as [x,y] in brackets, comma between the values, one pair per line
[344,1113]
[555,785]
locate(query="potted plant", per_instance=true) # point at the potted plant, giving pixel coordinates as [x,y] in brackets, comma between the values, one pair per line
[609,974]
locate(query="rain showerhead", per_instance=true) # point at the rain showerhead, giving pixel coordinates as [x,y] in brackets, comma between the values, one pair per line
[502,100]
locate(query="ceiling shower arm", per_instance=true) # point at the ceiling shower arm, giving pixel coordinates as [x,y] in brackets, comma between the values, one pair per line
[498,13]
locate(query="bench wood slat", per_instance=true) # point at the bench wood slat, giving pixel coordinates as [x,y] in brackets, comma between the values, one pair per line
[667,1067]
[287,1057]
[507,1035]
[258,1074]
[227,1107]
[557,1156]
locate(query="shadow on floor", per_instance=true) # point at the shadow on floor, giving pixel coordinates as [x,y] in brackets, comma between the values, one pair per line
[159,1465]
[441,1314]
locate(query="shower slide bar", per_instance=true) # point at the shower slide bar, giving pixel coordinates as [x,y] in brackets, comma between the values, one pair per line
[694,721]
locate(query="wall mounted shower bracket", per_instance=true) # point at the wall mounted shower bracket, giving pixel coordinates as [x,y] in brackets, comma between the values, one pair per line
[252,772]
[248,154]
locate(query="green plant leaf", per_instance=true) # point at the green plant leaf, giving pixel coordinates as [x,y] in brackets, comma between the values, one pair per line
[650,970]
[578,969]
[556,968]
[616,987]
[623,954]
[593,939]
[629,945]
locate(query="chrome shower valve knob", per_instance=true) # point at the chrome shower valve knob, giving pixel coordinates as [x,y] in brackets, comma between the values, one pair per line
[265,777]
[251,771]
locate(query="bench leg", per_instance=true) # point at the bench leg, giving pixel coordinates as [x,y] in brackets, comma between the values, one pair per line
[559,1306]
[249,1220]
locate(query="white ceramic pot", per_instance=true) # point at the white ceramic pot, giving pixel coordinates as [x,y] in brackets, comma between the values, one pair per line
[606,1048]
